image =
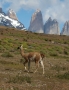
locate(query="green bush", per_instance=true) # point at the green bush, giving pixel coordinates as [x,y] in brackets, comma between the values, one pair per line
[6,62]
[7,54]
[64,76]
[66,52]
[20,79]
[1,48]
[53,54]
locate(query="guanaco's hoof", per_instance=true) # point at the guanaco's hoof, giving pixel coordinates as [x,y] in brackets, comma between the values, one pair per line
[25,71]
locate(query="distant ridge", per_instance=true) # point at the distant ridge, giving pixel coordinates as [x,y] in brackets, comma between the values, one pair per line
[36,24]
[10,20]
[65,30]
[50,26]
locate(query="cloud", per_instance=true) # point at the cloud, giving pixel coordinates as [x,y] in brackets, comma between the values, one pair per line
[57,9]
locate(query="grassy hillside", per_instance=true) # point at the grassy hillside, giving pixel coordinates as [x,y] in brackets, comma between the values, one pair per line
[56,61]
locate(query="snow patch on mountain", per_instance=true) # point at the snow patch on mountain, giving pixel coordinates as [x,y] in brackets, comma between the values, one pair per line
[7,21]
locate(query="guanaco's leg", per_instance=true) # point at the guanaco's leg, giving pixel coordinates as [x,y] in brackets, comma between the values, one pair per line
[37,65]
[41,62]
[24,65]
[28,65]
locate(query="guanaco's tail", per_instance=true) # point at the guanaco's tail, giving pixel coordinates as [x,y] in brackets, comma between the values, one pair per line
[42,55]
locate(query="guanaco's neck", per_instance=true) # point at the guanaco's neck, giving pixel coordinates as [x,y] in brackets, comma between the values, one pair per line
[22,51]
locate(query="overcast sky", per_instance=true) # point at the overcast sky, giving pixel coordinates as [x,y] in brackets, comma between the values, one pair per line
[56,9]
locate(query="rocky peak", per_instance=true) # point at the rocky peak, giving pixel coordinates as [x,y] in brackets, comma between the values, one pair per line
[51,27]
[65,30]
[12,14]
[36,23]
[55,21]
[49,19]
[35,15]
[10,21]
[0,10]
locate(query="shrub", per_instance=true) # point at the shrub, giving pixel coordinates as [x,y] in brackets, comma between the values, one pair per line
[1,48]
[58,68]
[7,54]
[66,52]
[53,54]
[64,76]
[67,60]
[20,79]
[46,39]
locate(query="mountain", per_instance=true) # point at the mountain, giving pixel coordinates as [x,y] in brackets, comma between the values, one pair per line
[12,14]
[65,30]
[51,27]
[36,23]
[0,10]
[9,21]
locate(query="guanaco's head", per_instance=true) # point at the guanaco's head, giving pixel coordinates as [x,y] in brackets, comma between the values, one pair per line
[20,47]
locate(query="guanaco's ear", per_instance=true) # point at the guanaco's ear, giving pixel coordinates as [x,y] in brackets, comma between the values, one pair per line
[22,45]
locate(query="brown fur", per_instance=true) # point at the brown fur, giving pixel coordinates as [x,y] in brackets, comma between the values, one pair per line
[42,55]
[32,56]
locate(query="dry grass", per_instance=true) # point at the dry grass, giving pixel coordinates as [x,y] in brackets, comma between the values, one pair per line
[13,77]
[56,62]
